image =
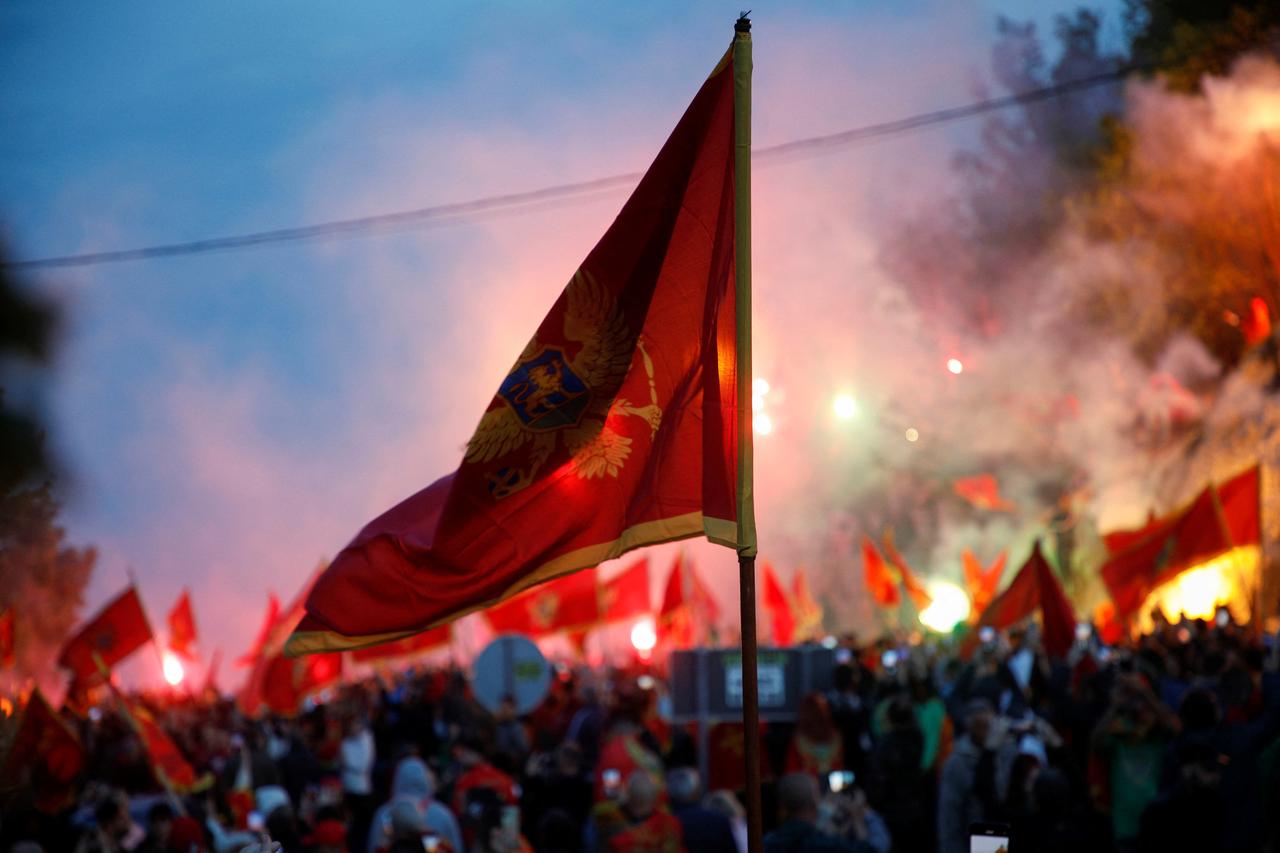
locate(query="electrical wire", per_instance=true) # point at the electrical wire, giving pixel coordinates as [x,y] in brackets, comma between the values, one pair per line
[530,200]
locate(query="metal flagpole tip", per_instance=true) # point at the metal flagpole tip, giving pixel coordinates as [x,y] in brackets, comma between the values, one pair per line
[743,24]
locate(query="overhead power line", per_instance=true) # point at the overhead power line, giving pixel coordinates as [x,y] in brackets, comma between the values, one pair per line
[521,202]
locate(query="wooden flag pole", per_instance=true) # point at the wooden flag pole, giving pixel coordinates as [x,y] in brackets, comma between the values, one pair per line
[746,498]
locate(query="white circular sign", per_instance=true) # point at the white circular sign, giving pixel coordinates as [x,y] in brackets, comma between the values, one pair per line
[511,665]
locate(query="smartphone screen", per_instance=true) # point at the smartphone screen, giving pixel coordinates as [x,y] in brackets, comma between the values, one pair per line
[989,838]
[839,780]
[612,781]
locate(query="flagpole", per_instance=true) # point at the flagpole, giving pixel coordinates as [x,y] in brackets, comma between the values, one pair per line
[746,498]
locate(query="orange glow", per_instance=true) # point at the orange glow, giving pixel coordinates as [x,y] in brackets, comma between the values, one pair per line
[1197,593]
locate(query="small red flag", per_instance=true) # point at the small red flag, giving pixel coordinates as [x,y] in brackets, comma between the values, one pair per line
[8,642]
[171,768]
[116,632]
[910,583]
[982,491]
[688,610]
[565,604]
[625,596]
[981,583]
[182,627]
[880,582]
[1035,587]
[621,424]
[808,611]
[777,607]
[268,622]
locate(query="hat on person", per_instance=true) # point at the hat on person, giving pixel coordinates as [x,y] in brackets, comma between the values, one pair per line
[331,833]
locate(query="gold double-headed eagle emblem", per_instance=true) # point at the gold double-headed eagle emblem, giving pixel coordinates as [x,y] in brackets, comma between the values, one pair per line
[549,397]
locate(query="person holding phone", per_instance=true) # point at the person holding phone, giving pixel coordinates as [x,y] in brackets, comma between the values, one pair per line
[705,831]
[800,807]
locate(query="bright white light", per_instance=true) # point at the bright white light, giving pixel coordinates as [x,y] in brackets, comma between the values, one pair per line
[844,406]
[643,637]
[829,642]
[759,386]
[912,434]
[955,366]
[173,672]
[949,607]
[763,423]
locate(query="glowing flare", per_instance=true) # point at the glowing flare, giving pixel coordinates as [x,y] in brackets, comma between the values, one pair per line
[643,636]
[948,608]
[173,672]
[912,434]
[844,406]
[955,365]
[763,423]
[759,386]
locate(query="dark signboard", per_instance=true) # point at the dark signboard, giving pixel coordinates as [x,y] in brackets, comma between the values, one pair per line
[706,684]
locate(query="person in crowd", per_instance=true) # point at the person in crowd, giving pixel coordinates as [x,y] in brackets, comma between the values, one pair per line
[816,747]
[798,806]
[727,804]
[558,782]
[851,716]
[415,785]
[159,828]
[896,784]
[356,756]
[647,826]
[703,829]
[966,789]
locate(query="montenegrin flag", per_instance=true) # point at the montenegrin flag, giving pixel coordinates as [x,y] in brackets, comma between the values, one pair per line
[625,420]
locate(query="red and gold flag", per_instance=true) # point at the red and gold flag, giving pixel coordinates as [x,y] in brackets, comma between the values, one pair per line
[171,768]
[808,611]
[983,492]
[912,585]
[182,627]
[626,595]
[880,581]
[625,421]
[565,604]
[1035,587]
[8,639]
[116,632]
[268,622]
[45,758]
[777,606]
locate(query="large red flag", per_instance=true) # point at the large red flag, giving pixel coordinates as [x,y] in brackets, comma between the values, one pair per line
[910,583]
[116,632]
[880,582]
[568,603]
[808,611]
[626,595]
[1167,548]
[626,420]
[171,768]
[8,644]
[45,757]
[782,618]
[1035,587]
[278,682]
[182,627]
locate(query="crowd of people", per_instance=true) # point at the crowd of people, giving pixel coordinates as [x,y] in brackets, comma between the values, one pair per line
[1170,741]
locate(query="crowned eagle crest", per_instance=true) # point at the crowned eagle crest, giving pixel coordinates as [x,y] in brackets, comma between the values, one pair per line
[554,401]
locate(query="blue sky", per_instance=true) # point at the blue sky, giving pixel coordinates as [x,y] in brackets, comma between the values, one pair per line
[231,419]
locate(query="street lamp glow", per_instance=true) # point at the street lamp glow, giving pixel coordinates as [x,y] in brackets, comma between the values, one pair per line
[912,434]
[763,423]
[955,366]
[845,407]
[173,672]
[643,636]
[949,606]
